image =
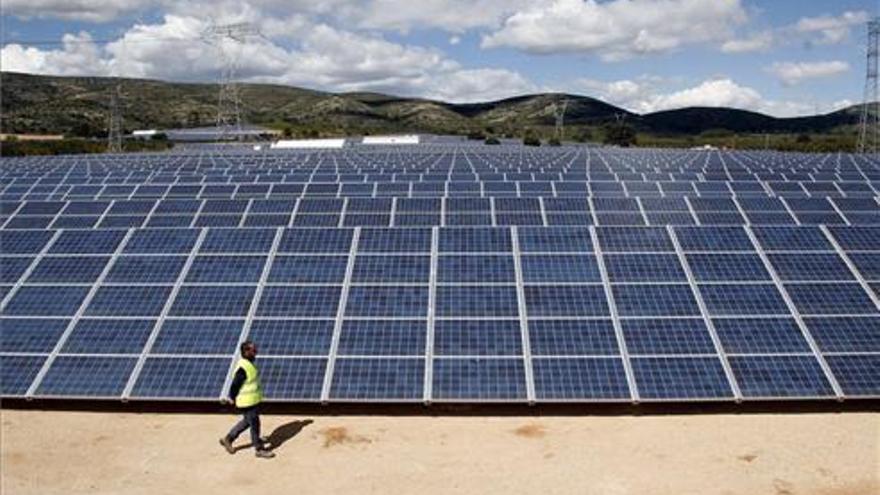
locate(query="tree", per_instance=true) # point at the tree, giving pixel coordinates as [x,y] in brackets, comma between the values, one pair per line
[620,134]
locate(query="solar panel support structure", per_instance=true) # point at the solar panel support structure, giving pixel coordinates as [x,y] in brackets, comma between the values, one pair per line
[229,38]
[869,125]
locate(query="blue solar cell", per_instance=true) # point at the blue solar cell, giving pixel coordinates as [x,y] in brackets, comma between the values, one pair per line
[620,219]
[390,268]
[197,300]
[831,299]
[198,337]
[130,207]
[122,222]
[87,242]
[780,376]
[680,378]
[746,300]
[108,336]
[292,337]
[139,300]
[12,268]
[667,336]
[85,207]
[481,240]
[572,338]
[292,379]
[308,269]
[846,334]
[41,207]
[301,220]
[477,301]
[729,267]
[318,241]
[655,300]
[387,301]
[23,242]
[46,301]
[464,269]
[181,377]
[378,378]
[760,335]
[394,241]
[580,379]
[713,239]
[238,241]
[623,239]
[868,264]
[17,373]
[554,240]
[146,269]
[30,335]
[479,379]
[792,239]
[644,268]
[810,267]
[857,374]
[560,268]
[477,338]
[162,241]
[300,301]
[218,269]
[566,300]
[86,376]
[77,222]
[383,338]
[68,269]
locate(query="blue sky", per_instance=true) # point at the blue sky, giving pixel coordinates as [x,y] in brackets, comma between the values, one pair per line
[782,57]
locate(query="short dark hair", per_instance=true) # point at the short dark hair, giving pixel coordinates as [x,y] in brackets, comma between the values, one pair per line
[247,344]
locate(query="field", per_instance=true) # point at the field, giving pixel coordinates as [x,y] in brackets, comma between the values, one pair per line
[47,453]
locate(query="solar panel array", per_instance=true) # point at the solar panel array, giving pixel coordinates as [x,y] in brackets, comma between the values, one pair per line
[443,274]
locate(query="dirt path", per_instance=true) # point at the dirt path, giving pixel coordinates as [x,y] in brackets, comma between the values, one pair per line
[108,453]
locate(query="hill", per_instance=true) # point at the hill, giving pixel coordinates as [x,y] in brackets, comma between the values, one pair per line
[77,106]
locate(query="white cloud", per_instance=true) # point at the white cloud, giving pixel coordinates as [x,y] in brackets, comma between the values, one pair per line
[831,29]
[324,58]
[78,51]
[651,94]
[792,73]
[450,15]
[756,43]
[616,29]
[80,10]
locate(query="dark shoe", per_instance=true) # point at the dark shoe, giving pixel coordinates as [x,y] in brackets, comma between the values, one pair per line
[265,454]
[227,445]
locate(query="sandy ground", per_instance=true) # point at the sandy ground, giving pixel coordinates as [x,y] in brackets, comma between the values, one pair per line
[111,453]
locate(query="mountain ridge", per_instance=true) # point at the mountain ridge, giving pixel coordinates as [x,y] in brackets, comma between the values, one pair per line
[78,105]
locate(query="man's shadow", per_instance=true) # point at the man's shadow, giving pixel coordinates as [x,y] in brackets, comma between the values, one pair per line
[280,435]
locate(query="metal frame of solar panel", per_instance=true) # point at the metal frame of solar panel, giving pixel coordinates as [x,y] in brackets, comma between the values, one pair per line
[442,273]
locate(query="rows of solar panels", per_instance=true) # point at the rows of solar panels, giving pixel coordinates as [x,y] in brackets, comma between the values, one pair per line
[120,280]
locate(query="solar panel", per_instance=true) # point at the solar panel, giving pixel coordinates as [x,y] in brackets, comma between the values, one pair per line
[444,272]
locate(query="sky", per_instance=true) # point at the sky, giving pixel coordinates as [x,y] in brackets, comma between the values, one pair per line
[781,57]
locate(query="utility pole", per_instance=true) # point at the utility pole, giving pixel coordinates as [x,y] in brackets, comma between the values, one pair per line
[559,111]
[228,39]
[869,125]
[114,125]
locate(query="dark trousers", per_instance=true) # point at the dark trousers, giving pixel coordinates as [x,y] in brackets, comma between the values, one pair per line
[250,419]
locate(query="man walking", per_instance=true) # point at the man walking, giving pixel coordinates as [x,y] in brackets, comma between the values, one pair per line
[247,394]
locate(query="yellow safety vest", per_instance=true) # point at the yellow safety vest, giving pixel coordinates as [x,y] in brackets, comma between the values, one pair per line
[250,393]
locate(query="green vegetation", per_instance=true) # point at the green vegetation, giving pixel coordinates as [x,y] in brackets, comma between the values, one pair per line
[67,146]
[78,107]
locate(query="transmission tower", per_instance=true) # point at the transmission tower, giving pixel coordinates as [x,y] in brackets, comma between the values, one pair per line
[869,126]
[228,38]
[559,111]
[114,124]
